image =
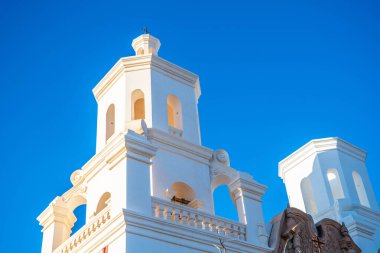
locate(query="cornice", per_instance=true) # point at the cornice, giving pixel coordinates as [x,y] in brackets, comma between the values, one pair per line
[317,146]
[139,62]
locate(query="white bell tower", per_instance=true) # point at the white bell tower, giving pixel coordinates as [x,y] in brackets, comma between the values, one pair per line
[147,87]
[327,178]
[149,186]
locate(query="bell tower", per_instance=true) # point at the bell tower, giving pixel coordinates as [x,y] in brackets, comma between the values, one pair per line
[327,178]
[149,187]
[147,87]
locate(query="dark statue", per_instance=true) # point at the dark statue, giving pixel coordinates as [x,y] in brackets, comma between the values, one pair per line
[294,231]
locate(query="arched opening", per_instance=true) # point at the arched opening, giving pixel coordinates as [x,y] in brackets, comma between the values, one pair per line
[335,184]
[223,203]
[174,112]
[360,189]
[80,215]
[181,193]
[138,105]
[103,202]
[140,51]
[77,204]
[308,196]
[110,121]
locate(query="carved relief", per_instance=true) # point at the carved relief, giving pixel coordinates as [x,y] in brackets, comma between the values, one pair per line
[220,172]
[76,177]
[295,232]
[221,156]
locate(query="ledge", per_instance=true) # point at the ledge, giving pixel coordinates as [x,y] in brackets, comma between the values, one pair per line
[140,62]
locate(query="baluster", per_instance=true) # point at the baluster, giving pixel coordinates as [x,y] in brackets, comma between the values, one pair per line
[185,217]
[161,209]
[174,216]
[203,222]
[217,227]
[225,229]
[239,232]
[211,225]
[234,231]
[206,223]
[180,216]
[196,221]
[191,219]
[155,210]
[167,213]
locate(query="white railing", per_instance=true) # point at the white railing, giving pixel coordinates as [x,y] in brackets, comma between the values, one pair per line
[194,218]
[85,232]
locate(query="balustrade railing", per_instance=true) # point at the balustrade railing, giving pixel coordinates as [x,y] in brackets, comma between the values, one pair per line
[197,219]
[85,232]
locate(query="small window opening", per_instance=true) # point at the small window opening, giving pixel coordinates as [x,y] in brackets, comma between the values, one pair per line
[110,121]
[335,184]
[138,105]
[360,189]
[174,111]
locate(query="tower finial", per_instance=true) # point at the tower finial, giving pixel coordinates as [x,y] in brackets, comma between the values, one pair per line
[146,44]
[145,30]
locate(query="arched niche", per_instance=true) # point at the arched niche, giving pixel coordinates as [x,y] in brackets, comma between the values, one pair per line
[181,193]
[308,196]
[174,111]
[360,189]
[138,105]
[104,201]
[335,184]
[110,121]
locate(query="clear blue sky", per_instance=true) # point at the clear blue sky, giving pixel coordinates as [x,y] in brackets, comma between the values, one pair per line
[274,75]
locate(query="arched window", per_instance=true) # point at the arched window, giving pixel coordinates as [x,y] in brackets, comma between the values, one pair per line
[103,202]
[308,196]
[360,189]
[174,112]
[138,105]
[110,121]
[335,184]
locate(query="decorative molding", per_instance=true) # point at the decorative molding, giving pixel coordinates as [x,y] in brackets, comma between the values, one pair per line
[179,146]
[76,177]
[140,62]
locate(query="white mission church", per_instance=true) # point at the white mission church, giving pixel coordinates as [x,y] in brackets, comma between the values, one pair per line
[149,187]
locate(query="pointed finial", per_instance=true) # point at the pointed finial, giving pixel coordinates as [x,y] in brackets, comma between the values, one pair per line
[145,30]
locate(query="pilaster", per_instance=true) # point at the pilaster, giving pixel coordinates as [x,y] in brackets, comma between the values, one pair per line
[57,221]
[139,154]
[247,194]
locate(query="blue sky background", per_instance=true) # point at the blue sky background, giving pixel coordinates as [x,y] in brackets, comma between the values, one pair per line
[274,75]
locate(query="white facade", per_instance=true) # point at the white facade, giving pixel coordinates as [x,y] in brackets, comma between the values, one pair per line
[327,178]
[150,184]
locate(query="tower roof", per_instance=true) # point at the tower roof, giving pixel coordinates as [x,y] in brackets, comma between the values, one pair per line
[317,146]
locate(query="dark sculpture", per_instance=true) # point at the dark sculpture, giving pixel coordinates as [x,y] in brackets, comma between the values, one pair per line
[294,231]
